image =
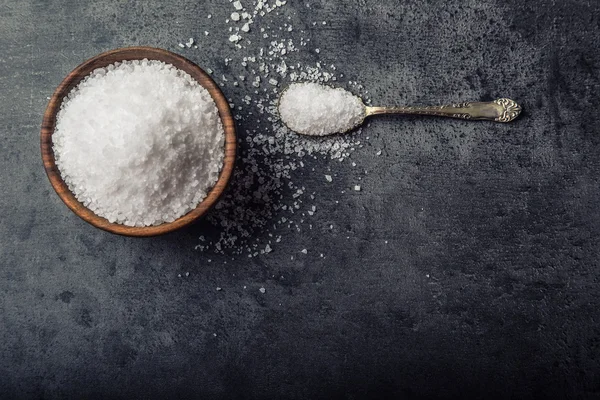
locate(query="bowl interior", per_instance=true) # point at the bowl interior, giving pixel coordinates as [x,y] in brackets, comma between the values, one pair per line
[128,54]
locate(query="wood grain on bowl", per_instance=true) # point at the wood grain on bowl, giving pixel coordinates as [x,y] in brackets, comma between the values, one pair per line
[128,54]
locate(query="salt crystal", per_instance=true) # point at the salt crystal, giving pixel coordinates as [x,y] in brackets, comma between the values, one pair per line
[357,188]
[268,156]
[328,178]
[235,16]
[304,251]
[128,155]
[262,290]
[318,110]
[238,5]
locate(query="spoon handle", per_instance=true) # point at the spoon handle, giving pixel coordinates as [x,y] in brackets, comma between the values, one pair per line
[501,110]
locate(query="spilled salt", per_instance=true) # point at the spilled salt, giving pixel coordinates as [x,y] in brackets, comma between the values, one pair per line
[319,110]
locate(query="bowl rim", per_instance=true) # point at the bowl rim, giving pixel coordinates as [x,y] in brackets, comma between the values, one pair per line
[137,53]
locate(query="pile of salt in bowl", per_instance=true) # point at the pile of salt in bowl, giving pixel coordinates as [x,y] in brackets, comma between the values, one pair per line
[139,143]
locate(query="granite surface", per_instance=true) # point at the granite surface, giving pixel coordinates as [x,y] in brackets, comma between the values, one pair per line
[467,267]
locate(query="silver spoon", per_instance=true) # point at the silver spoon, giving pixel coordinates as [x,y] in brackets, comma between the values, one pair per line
[500,110]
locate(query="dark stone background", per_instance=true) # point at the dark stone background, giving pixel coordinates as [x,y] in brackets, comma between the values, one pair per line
[487,288]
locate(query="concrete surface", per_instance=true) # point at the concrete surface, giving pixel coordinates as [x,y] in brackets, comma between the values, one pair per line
[488,285]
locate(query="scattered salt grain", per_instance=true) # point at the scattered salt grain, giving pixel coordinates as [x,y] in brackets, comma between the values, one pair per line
[328,178]
[319,110]
[357,188]
[262,290]
[264,188]
[139,143]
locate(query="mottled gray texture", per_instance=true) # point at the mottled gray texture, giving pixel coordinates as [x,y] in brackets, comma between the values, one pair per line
[488,287]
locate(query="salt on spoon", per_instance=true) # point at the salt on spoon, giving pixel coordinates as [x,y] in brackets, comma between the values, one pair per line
[319,110]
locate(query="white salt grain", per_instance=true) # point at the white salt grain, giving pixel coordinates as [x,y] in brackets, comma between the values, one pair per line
[319,110]
[139,143]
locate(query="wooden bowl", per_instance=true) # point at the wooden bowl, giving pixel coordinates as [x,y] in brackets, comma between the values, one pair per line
[103,60]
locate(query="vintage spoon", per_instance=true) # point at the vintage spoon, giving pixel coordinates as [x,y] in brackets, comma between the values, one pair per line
[319,110]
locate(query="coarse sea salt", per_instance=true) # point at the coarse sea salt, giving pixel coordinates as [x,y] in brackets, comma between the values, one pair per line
[264,198]
[139,143]
[318,110]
